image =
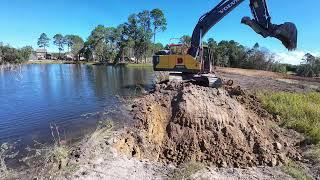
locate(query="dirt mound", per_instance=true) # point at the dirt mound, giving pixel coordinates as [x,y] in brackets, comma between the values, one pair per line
[181,122]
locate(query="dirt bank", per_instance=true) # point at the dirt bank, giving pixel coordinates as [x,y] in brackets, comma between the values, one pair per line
[179,124]
[182,122]
[96,158]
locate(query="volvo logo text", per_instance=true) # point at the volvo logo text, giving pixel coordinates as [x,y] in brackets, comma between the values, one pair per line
[228,6]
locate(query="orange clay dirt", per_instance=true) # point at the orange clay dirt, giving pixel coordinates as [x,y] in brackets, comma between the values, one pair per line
[226,127]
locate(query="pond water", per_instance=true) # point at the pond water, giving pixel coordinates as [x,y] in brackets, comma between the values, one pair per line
[71,97]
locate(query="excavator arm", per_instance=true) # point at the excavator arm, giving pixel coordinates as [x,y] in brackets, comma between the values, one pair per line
[196,64]
[261,24]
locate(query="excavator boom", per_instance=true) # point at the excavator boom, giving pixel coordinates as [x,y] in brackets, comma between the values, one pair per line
[261,24]
[207,21]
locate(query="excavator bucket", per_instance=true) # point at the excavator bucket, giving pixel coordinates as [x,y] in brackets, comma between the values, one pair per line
[287,33]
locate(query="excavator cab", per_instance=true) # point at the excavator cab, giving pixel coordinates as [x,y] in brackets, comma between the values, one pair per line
[206,59]
[178,49]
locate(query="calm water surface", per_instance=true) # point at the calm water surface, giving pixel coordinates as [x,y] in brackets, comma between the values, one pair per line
[74,97]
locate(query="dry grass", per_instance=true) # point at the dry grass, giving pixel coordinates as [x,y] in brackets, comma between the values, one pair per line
[250,72]
[260,73]
[139,65]
[6,152]
[4,172]
[60,155]
[50,162]
[313,154]
[186,170]
[60,62]
[44,62]
[296,171]
[10,67]
[316,153]
[161,76]
[57,159]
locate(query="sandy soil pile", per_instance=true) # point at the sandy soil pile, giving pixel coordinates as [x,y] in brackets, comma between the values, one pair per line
[181,122]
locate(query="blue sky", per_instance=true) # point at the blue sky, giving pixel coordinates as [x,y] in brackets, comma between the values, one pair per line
[22,21]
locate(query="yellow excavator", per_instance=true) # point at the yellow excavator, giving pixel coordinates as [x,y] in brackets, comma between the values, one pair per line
[196,64]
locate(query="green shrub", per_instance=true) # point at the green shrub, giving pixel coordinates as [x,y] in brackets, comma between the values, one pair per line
[280,68]
[186,170]
[310,66]
[11,55]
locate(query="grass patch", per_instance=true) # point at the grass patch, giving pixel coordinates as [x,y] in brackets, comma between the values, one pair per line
[316,152]
[161,76]
[107,124]
[44,62]
[186,170]
[4,148]
[299,111]
[296,171]
[60,155]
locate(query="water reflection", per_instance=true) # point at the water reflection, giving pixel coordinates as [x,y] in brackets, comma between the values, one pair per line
[72,96]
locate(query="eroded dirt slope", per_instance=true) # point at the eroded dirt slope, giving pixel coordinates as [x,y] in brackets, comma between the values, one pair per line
[181,122]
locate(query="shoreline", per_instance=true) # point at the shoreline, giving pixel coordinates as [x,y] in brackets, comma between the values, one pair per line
[87,63]
[95,156]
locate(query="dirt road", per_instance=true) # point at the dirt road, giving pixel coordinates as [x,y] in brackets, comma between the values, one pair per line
[254,80]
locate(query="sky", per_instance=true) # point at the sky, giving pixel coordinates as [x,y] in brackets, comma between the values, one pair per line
[22,21]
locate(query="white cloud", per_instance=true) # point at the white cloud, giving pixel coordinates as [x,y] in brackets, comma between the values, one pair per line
[292,57]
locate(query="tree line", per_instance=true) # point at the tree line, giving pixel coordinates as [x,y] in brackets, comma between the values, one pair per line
[130,39]
[74,43]
[133,40]
[12,55]
[233,54]
[310,66]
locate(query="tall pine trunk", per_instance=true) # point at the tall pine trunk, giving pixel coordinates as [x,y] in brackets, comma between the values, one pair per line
[154,39]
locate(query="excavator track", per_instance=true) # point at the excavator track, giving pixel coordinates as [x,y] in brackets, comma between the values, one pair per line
[208,80]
